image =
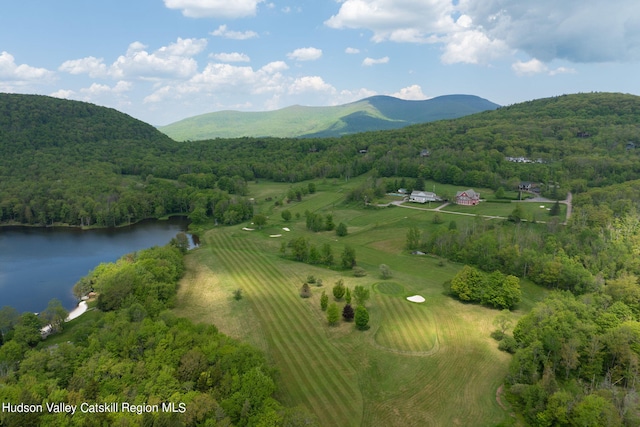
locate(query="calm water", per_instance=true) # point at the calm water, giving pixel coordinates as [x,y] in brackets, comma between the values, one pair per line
[38,264]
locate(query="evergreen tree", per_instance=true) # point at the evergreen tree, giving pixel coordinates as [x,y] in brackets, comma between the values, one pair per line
[328,223]
[341,230]
[362,318]
[333,314]
[324,301]
[339,289]
[347,296]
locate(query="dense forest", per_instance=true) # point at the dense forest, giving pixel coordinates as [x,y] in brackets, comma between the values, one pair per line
[576,354]
[67,162]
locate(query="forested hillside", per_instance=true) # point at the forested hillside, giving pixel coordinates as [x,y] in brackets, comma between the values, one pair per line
[69,162]
[96,172]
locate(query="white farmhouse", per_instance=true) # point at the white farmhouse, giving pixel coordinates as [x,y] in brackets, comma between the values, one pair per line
[423,197]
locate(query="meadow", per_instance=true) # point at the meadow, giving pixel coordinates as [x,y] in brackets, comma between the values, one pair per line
[429,364]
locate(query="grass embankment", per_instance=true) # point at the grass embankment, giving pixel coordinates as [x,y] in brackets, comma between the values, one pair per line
[424,364]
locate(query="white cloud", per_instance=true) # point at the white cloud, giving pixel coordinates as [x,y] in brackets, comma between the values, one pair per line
[90,65]
[226,79]
[275,67]
[578,31]
[97,90]
[214,8]
[223,31]
[395,20]
[231,57]
[477,32]
[529,68]
[535,66]
[305,54]
[472,47]
[310,84]
[413,92]
[174,60]
[351,50]
[21,74]
[63,93]
[368,62]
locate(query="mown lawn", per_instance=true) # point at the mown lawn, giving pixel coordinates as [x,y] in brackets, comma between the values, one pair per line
[430,364]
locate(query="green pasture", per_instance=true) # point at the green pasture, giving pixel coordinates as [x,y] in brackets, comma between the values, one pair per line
[429,364]
[531,210]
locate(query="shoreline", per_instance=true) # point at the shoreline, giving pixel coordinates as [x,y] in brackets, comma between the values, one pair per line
[88,227]
[80,309]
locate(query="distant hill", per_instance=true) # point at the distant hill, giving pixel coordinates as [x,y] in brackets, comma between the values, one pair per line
[374,113]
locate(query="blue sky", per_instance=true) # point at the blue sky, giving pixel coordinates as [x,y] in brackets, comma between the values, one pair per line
[164,60]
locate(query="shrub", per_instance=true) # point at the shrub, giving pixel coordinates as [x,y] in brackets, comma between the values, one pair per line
[508,344]
[497,335]
[385,271]
[237,294]
[348,313]
[305,291]
[311,279]
[359,272]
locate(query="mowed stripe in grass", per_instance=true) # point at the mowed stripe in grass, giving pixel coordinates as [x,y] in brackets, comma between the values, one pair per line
[313,371]
[285,342]
[406,326]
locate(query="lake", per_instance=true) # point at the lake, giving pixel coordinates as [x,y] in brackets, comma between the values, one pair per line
[38,264]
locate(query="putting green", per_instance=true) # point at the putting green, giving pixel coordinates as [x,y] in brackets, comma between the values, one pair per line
[389,288]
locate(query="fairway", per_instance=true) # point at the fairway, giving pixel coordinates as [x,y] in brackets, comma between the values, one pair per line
[429,364]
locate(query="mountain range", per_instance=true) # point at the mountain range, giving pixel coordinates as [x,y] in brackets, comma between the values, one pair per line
[374,113]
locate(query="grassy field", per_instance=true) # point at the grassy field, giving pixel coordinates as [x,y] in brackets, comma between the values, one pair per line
[531,210]
[430,364]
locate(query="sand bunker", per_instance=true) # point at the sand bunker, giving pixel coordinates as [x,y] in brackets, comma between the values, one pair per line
[276,235]
[248,229]
[285,229]
[416,298]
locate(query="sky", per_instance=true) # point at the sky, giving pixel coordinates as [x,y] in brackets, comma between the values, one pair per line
[164,60]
